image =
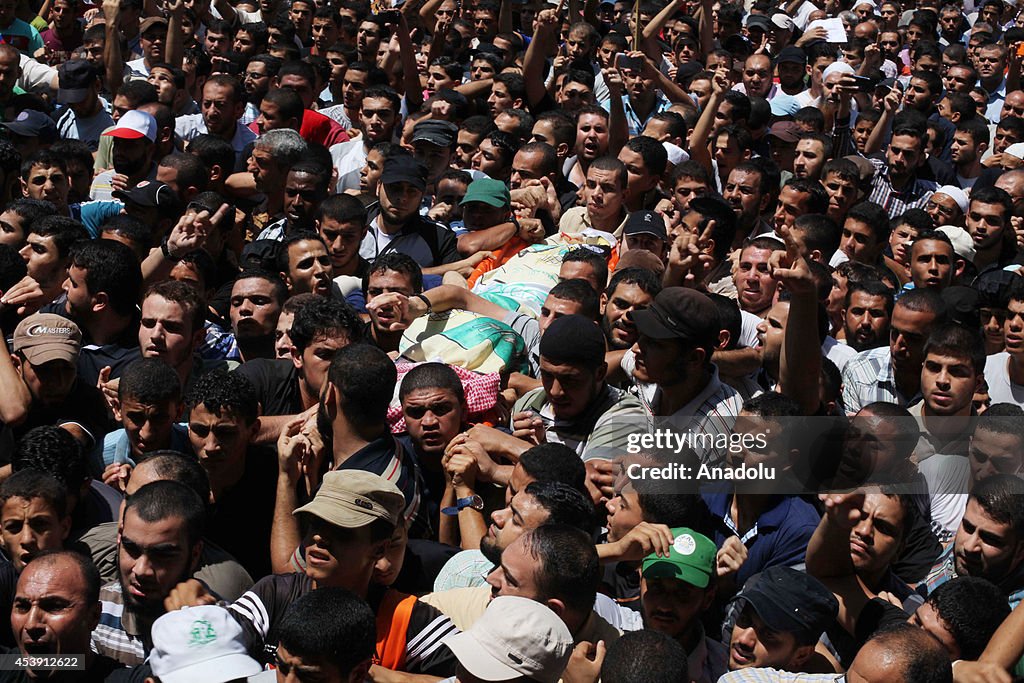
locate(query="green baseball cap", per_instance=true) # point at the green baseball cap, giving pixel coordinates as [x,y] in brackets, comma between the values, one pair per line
[489,191]
[691,559]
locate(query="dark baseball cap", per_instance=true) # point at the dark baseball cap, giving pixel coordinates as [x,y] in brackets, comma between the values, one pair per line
[787,131]
[74,78]
[150,193]
[791,53]
[440,133]
[404,168]
[790,601]
[640,222]
[678,313]
[33,124]
[759,21]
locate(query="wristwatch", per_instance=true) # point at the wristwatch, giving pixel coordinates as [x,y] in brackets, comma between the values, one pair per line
[426,302]
[474,502]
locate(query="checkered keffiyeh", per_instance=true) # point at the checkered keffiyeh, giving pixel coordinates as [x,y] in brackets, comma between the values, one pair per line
[481,394]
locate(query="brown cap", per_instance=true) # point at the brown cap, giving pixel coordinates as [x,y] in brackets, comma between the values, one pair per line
[787,131]
[46,336]
[150,22]
[355,498]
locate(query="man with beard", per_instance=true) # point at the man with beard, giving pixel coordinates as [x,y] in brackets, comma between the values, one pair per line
[675,591]
[866,314]
[400,227]
[56,607]
[258,77]
[134,144]
[970,141]
[222,105]
[255,305]
[158,547]
[630,289]
[896,186]
[306,186]
[748,191]
[379,117]
[989,542]
[893,373]
[576,405]
[272,155]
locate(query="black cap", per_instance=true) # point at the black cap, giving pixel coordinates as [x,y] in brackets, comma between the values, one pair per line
[487,47]
[791,53]
[687,70]
[150,193]
[260,255]
[963,305]
[738,45]
[790,601]
[74,78]
[717,209]
[678,313]
[759,21]
[440,133]
[403,168]
[640,222]
[33,124]
[573,339]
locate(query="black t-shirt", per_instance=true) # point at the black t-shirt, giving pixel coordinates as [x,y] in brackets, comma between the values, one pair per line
[260,610]
[94,357]
[240,521]
[277,385]
[84,406]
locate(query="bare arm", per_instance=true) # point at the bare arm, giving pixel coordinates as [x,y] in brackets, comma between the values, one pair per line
[737,362]
[285,535]
[112,45]
[702,131]
[487,239]
[15,399]
[410,73]
[175,50]
[227,12]
[1006,646]
[618,129]
[536,55]
[707,34]
[800,364]
[475,88]
[881,129]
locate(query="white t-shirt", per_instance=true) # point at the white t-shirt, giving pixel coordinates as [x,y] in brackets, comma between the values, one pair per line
[1000,388]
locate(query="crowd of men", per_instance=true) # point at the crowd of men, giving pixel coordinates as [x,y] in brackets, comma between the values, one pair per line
[333,332]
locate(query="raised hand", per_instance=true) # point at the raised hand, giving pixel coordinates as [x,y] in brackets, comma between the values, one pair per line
[844,509]
[791,268]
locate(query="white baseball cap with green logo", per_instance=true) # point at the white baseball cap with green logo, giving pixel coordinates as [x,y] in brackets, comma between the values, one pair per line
[202,643]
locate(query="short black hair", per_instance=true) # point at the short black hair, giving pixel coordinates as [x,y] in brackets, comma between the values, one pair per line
[52,450]
[149,381]
[365,378]
[567,566]
[176,466]
[64,231]
[873,216]
[220,390]
[582,293]
[29,484]
[999,496]
[164,499]
[324,316]
[646,280]
[331,624]
[564,504]
[555,462]
[597,261]
[112,268]
[400,263]
[972,609]
[645,657]
[432,376]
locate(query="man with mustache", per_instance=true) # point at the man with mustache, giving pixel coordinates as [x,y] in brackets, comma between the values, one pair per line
[631,289]
[158,547]
[56,607]
[676,588]
[989,542]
